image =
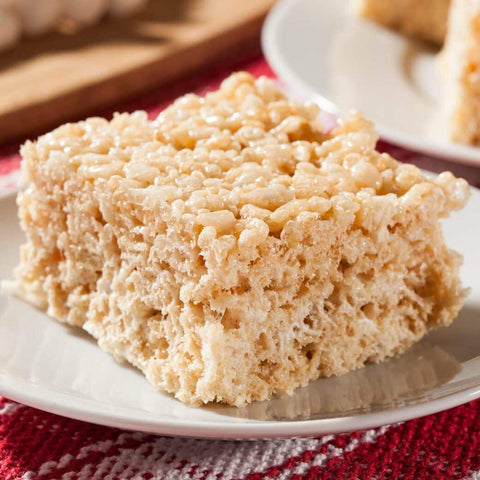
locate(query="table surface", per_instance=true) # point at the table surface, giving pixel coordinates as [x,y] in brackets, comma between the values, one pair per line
[39,445]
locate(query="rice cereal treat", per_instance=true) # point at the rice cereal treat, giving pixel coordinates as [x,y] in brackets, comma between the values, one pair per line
[460,64]
[426,19]
[231,248]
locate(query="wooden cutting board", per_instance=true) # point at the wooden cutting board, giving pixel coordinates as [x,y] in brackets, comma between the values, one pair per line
[49,80]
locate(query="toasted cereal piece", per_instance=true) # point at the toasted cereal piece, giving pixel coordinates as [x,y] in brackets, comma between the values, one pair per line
[85,13]
[10,29]
[39,16]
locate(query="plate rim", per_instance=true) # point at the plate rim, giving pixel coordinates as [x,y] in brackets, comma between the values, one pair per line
[8,193]
[457,153]
[251,429]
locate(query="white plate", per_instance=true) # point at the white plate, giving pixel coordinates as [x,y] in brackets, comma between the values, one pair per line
[9,183]
[322,51]
[60,369]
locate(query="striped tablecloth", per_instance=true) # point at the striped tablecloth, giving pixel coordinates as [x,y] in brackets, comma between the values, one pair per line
[38,445]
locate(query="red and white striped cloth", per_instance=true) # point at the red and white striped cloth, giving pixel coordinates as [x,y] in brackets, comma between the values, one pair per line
[38,445]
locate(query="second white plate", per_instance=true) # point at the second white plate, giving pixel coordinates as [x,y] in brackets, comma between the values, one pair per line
[322,51]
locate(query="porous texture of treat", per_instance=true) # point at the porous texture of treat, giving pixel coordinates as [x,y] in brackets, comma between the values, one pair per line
[461,72]
[426,19]
[231,248]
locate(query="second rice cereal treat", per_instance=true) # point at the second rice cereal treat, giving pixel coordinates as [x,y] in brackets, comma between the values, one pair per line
[425,19]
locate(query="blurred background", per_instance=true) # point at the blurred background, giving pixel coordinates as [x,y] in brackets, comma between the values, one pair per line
[65,60]
[62,60]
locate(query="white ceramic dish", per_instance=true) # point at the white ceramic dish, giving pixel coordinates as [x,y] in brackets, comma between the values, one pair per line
[61,370]
[9,183]
[322,51]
